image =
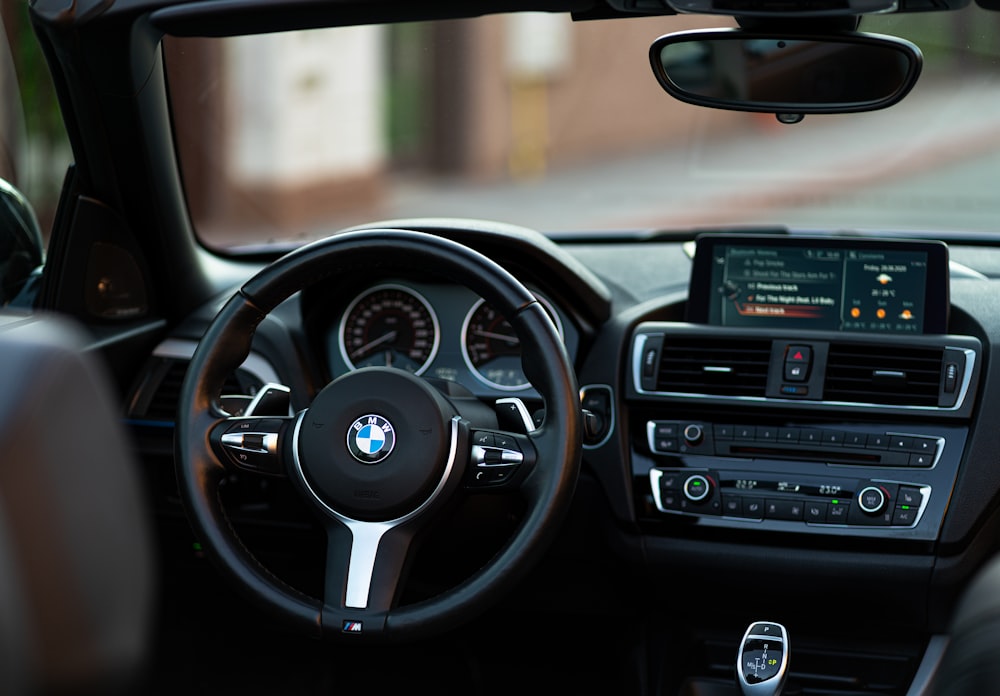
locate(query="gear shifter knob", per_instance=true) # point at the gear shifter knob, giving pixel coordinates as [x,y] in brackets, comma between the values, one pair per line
[763,659]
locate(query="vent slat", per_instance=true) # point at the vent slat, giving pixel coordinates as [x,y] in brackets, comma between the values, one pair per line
[869,374]
[694,366]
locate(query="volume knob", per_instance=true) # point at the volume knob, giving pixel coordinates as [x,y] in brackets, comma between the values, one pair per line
[694,434]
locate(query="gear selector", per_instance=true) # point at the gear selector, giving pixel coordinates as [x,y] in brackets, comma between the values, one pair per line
[763,659]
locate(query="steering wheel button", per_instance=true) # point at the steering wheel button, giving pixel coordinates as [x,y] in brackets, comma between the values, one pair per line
[505,442]
[483,438]
[243,426]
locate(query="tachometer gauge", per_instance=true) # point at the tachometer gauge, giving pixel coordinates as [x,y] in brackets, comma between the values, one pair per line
[389,325]
[491,348]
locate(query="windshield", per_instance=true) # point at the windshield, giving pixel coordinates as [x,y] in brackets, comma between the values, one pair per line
[535,120]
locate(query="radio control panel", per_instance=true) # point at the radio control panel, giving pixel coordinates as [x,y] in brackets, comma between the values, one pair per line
[873,480]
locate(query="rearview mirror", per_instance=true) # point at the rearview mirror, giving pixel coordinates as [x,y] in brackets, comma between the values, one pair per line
[785,73]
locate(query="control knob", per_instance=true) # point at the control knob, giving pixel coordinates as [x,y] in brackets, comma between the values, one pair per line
[872,500]
[694,434]
[697,488]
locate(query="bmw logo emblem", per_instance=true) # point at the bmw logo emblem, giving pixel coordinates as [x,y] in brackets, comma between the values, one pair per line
[371,439]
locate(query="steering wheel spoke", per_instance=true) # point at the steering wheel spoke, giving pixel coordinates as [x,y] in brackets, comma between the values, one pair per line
[252,444]
[364,567]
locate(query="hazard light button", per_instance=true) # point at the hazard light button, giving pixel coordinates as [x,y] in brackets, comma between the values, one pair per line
[798,360]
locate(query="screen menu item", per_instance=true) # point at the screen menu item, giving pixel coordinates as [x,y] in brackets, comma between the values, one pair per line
[820,285]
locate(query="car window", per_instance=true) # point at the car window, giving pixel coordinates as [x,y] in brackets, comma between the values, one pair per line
[536,120]
[35,147]
[34,156]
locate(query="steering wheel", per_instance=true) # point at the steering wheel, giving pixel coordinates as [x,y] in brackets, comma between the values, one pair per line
[379,452]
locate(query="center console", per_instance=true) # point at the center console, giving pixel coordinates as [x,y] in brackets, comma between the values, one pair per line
[813,389]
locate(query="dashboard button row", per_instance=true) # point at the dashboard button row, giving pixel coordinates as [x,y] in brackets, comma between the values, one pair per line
[874,503]
[840,446]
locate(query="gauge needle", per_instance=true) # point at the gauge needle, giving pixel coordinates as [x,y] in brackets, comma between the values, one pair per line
[500,337]
[384,338]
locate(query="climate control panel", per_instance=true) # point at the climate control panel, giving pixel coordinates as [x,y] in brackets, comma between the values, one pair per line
[811,500]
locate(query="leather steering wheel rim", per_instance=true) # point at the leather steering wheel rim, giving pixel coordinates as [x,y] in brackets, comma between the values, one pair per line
[547,487]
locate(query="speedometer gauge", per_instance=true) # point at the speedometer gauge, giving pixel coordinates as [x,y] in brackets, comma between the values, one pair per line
[491,348]
[389,325]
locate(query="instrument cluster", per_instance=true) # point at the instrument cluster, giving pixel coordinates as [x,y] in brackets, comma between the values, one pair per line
[434,330]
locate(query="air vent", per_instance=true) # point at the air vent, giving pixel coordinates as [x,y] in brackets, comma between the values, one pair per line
[162,389]
[701,366]
[892,375]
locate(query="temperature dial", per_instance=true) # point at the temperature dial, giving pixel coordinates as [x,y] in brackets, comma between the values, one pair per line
[872,500]
[697,488]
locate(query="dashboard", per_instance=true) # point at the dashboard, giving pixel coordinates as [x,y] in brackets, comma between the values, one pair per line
[794,417]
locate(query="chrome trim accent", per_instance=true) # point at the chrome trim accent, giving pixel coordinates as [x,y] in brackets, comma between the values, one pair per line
[929,665]
[182,349]
[640,343]
[507,457]
[262,394]
[366,536]
[638,349]
[235,441]
[654,481]
[522,412]
[651,438]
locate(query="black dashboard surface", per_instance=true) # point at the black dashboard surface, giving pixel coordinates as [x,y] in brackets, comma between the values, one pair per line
[723,484]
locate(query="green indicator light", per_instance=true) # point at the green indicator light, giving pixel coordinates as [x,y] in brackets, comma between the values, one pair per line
[196,546]
[696,484]
[835,502]
[905,507]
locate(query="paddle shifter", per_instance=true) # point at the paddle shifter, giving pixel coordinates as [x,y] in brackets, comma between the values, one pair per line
[763,659]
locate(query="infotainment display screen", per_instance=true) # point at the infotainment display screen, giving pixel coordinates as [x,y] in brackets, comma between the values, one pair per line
[823,283]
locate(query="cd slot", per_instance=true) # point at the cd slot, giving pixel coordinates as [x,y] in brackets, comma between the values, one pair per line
[826,455]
